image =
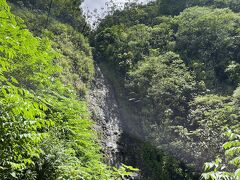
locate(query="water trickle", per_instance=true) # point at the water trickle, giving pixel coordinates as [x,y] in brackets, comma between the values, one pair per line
[105,111]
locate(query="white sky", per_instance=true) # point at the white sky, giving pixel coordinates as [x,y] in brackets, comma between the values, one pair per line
[90,5]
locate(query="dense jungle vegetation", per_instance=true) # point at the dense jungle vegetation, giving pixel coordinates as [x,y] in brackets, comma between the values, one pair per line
[178,63]
[46,131]
[175,65]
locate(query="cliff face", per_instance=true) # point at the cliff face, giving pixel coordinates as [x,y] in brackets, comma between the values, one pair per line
[121,136]
[105,111]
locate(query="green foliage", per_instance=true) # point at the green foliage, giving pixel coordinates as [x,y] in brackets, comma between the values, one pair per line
[168,86]
[209,36]
[206,38]
[132,14]
[166,91]
[26,55]
[42,106]
[26,65]
[171,7]
[45,129]
[23,124]
[233,71]
[154,163]
[174,7]
[125,171]
[78,156]
[208,117]
[75,56]
[66,11]
[216,170]
[124,47]
[228,165]
[232,4]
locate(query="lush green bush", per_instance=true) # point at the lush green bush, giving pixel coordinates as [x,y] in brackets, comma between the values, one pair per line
[208,40]
[175,7]
[154,163]
[75,53]
[124,47]
[45,129]
[26,65]
[66,11]
[227,165]
[168,87]
[167,91]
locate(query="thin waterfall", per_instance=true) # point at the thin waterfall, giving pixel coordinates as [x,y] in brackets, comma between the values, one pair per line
[105,112]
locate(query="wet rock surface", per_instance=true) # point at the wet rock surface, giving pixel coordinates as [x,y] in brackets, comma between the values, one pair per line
[105,112]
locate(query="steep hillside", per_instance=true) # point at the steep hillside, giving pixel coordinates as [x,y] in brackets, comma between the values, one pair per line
[179,78]
[46,130]
[157,88]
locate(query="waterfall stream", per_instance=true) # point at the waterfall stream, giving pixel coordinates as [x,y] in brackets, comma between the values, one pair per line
[105,111]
